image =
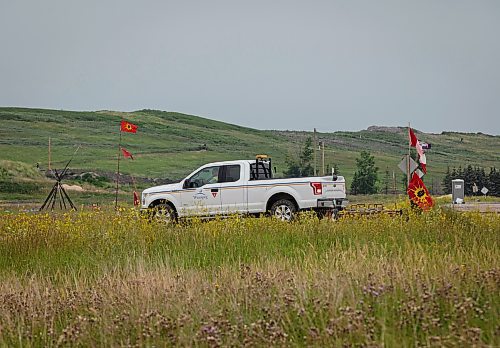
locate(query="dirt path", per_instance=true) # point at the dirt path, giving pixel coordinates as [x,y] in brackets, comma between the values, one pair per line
[485,207]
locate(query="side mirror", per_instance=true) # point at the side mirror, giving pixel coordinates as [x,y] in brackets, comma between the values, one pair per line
[186,183]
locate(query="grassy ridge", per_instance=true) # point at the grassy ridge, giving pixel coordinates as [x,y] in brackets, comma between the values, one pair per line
[107,279]
[169,145]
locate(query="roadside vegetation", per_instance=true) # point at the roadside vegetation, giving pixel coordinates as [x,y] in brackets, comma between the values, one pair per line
[106,279]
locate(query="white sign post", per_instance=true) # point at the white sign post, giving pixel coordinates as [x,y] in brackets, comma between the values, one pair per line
[484,191]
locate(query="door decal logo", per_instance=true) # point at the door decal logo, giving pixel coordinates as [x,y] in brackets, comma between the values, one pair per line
[214,193]
[200,195]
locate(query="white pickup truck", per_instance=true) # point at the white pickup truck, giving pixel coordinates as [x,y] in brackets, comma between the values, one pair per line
[243,187]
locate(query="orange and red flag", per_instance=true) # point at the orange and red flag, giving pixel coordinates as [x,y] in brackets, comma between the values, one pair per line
[128,127]
[419,194]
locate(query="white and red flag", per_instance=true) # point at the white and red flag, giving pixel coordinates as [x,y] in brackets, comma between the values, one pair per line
[414,142]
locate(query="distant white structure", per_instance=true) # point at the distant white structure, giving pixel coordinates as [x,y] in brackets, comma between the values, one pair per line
[457,191]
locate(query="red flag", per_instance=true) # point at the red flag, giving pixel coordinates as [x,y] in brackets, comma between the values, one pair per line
[137,201]
[414,142]
[413,137]
[127,154]
[418,145]
[419,194]
[128,127]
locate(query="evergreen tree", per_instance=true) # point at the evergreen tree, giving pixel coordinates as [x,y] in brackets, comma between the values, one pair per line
[482,179]
[446,183]
[301,167]
[468,177]
[365,177]
[494,182]
[293,168]
[355,188]
[306,157]
[454,175]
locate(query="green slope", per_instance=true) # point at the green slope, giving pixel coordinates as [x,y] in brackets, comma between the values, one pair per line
[170,145]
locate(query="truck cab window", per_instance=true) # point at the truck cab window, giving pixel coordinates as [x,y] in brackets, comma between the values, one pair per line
[209,175]
[231,173]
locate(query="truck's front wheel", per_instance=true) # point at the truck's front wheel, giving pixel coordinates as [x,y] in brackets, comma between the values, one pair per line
[164,213]
[283,210]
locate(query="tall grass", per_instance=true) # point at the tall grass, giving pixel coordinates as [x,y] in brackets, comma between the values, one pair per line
[116,279]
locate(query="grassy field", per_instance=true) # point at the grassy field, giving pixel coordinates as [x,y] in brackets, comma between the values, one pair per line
[108,279]
[170,145]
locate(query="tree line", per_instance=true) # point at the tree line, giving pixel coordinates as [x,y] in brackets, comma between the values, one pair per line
[473,175]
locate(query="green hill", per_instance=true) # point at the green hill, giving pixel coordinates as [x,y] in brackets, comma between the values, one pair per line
[169,145]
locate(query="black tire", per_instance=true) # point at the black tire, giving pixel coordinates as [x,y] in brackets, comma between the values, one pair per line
[164,213]
[283,210]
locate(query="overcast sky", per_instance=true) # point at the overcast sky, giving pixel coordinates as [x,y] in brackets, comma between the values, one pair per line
[333,65]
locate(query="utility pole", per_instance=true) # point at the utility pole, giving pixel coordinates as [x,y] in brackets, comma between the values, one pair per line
[323,157]
[315,142]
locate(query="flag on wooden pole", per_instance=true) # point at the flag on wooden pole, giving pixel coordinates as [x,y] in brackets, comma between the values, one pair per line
[126,127]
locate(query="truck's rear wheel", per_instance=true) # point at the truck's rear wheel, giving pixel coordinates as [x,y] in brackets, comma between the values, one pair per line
[164,213]
[283,210]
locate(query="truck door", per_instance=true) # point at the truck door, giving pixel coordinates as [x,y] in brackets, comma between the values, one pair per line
[233,189]
[201,193]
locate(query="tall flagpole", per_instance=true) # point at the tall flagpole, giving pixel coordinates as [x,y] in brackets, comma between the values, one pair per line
[315,145]
[408,161]
[118,168]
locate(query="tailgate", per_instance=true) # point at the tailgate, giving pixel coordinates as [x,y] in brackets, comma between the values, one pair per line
[333,189]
